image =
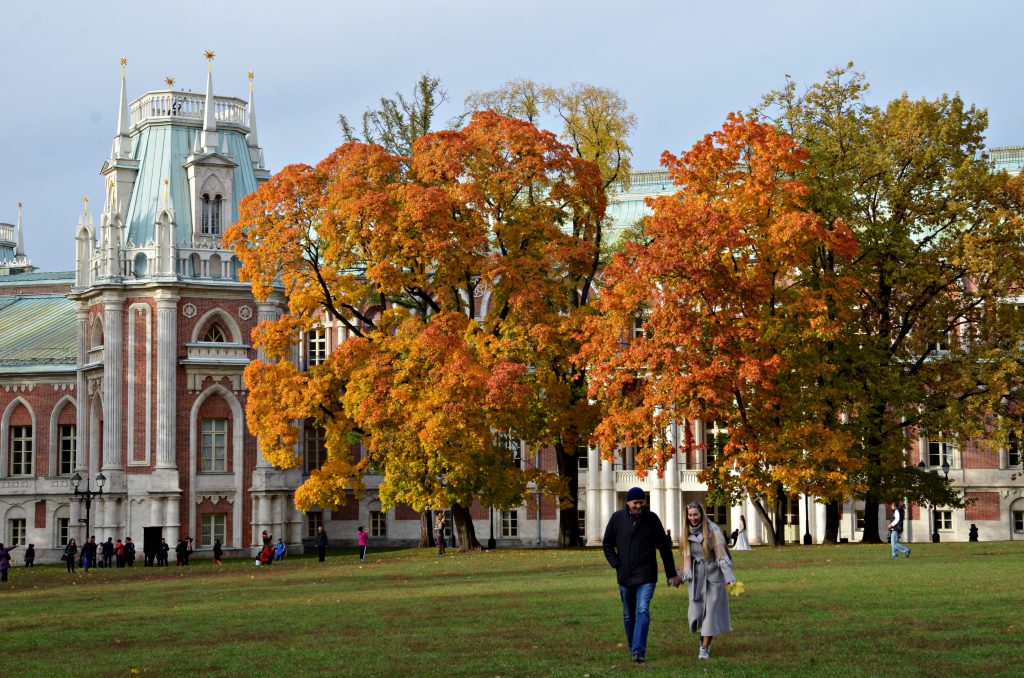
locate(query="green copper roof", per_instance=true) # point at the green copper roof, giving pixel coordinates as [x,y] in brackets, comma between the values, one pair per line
[162,151]
[625,208]
[37,330]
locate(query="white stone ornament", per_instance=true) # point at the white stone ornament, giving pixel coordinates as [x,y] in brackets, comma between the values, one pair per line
[189,310]
[245,312]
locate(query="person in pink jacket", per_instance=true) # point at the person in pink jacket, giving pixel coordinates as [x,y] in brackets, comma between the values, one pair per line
[364,541]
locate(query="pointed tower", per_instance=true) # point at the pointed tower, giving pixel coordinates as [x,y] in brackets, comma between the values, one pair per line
[209,136]
[255,152]
[19,251]
[121,168]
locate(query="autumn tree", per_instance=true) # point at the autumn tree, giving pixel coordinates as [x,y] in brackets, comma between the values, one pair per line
[934,346]
[735,308]
[450,270]
[596,123]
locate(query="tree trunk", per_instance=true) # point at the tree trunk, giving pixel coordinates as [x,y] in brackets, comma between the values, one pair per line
[831,522]
[767,520]
[780,515]
[464,528]
[569,518]
[871,532]
[427,530]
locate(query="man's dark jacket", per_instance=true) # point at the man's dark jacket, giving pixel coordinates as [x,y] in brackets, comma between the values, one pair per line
[630,545]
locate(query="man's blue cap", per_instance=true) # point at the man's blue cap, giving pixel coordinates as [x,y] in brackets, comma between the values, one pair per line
[635,493]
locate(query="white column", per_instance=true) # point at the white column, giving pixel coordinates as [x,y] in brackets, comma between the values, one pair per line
[108,528]
[755,526]
[81,389]
[594,527]
[819,523]
[172,522]
[672,492]
[264,313]
[75,528]
[166,374]
[156,511]
[607,493]
[113,373]
[278,513]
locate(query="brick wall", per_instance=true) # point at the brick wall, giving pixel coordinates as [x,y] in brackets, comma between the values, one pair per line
[984,507]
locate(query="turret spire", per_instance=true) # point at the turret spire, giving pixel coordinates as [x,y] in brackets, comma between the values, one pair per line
[122,142]
[20,251]
[209,137]
[251,136]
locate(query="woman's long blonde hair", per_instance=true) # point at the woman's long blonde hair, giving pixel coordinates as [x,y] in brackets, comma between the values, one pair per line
[706,531]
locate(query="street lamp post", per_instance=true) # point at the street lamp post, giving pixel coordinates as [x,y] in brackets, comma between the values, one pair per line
[807,521]
[491,543]
[88,494]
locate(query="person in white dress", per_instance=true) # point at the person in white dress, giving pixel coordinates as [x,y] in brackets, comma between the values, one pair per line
[742,543]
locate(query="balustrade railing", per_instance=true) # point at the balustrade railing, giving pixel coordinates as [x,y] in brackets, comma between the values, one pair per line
[187,105]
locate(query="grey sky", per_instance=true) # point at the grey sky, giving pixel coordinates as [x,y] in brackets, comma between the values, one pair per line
[681,66]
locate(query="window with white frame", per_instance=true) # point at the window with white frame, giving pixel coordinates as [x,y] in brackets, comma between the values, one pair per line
[715,437]
[944,520]
[21,451]
[582,457]
[214,528]
[316,453]
[506,441]
[718,514]
[509,523]
[63,531]
[316,343]
[314,519]
[942,343]
[378,524]
[215,445]
[940,452]
[1018,521]
[66,451]
[16,532]
[1013,447]
[581,521]
[858,520]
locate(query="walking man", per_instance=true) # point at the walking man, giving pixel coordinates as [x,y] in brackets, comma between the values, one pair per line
[631,541]
[896,531]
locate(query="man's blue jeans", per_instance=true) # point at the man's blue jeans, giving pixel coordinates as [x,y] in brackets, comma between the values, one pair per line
[897,547]
[636,615]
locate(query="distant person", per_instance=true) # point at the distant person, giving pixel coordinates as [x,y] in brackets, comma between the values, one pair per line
[119,553]
[896,531]
[70,551]
[189,549]
[30,556]
[266,537]
[972,535]
[632,540]
[108,551]
[279,550]
[266,556]
[708,568]
[129,551]
[321,543]
[439,525]
[162,552]
[179,553]
[5,561]
[364,541]
[742,542]
[89,553]
[218,552]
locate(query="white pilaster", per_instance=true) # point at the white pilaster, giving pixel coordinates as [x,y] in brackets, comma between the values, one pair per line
[172,522]
[166,374]
[113,373]
[81,388]
[594,526]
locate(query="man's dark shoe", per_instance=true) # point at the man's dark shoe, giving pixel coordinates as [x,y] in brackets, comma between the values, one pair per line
[639,658]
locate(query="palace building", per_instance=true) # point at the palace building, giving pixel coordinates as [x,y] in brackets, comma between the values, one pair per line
[125,374]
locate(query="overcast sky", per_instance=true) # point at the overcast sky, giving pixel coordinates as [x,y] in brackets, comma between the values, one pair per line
[681,65]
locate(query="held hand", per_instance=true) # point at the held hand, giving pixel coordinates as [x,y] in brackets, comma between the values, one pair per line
[687,575]
[674,582]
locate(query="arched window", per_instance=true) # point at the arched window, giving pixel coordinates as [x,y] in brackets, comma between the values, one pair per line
[211,214]
[214,333]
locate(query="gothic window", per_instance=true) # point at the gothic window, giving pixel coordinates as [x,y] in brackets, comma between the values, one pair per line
[215,445]
[214,333]
[66,463]
[21,451]
[211,214]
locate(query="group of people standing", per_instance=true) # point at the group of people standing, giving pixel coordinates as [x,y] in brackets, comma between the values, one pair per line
[99,555]
[632,541]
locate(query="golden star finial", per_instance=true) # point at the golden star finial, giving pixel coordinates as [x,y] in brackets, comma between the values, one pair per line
[169,80]
[210,55]
[19,204]
[251,74]
[124,61]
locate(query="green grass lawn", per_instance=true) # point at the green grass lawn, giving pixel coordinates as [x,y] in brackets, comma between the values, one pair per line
[950,610]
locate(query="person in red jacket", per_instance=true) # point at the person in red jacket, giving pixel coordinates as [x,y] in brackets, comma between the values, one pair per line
[364,541]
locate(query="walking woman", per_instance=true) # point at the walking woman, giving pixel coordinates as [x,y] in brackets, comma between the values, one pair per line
[439,532]
[69,554]
[708,568]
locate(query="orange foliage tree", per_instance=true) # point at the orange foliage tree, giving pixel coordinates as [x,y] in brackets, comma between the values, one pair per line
[737,311]
[451,272]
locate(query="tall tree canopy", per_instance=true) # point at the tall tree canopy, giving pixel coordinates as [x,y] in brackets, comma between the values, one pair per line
[596,123]
[736,307]
[935,343]
[452,270]
[401,120]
